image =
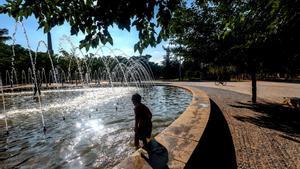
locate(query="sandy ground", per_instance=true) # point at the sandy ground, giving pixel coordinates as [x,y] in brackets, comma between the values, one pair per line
[272,91]
[264,136]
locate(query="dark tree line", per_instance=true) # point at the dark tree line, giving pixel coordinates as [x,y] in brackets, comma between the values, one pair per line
[215,37]
[64,62]
[234,38]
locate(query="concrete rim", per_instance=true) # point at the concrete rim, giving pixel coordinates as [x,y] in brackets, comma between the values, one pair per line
[181,136]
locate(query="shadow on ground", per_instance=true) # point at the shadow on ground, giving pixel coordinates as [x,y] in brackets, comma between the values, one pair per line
[272,116]
[215,149]
[158,155]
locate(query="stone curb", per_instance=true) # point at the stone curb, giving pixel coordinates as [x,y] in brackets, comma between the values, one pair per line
[181,137]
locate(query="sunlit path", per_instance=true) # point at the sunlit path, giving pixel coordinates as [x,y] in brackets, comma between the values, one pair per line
[272,91]
[265,135]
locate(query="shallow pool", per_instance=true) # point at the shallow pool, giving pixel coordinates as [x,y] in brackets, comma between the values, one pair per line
[97,130]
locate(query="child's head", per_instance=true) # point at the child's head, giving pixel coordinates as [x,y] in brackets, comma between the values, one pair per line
[136,99]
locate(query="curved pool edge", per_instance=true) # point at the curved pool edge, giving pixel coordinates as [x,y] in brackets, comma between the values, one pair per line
[182,136]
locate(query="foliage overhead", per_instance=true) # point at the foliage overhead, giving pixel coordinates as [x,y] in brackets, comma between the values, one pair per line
[261,36]
[94,17]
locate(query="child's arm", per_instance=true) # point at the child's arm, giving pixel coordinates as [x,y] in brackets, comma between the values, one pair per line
[136,139]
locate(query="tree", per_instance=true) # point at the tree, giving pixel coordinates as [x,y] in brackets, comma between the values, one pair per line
[245,36]
[3,37]
[253,25]
[93,18]
[67,64]
[166,62]
[170,65]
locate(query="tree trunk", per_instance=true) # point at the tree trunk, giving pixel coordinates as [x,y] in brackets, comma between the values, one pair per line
[254,87]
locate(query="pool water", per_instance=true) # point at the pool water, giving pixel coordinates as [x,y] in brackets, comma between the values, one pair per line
[97,131]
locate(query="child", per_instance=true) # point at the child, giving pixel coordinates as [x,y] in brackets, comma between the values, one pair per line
[143,123]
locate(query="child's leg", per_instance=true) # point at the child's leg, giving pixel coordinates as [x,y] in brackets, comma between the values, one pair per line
[136,140]
[145,144]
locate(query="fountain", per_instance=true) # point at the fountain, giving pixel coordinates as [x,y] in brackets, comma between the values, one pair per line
[115,72]
[92,95]
[24,79]
[3,102]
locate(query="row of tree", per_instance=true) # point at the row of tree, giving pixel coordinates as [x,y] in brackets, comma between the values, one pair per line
[239,37]
[65,62]
[246,37]
[249,35]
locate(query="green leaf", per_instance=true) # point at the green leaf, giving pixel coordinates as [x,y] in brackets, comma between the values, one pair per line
[134,22]
[158,39]
[136,46]
[73,30]
[46,28]
[140,50]
[110,40]
[87,46]
[83,15]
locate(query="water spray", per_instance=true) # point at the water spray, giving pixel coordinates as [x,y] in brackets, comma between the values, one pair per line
[34,75]
[3,101]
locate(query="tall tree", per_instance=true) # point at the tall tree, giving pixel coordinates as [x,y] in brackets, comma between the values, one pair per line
[166,62]
[241,34]
[253,24]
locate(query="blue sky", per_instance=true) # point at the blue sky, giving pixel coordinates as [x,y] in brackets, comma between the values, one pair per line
[123,40]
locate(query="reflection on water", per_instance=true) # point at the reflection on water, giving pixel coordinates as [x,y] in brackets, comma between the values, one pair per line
[94,133]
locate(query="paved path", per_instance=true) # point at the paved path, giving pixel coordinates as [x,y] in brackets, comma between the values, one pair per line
[272,91]
[264,136]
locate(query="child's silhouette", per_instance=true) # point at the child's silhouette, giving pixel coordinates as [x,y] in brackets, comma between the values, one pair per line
[143,123]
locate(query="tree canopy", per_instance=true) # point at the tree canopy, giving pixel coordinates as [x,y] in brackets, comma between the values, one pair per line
[93,18]
[246,34]
[213,36]
[252,37]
